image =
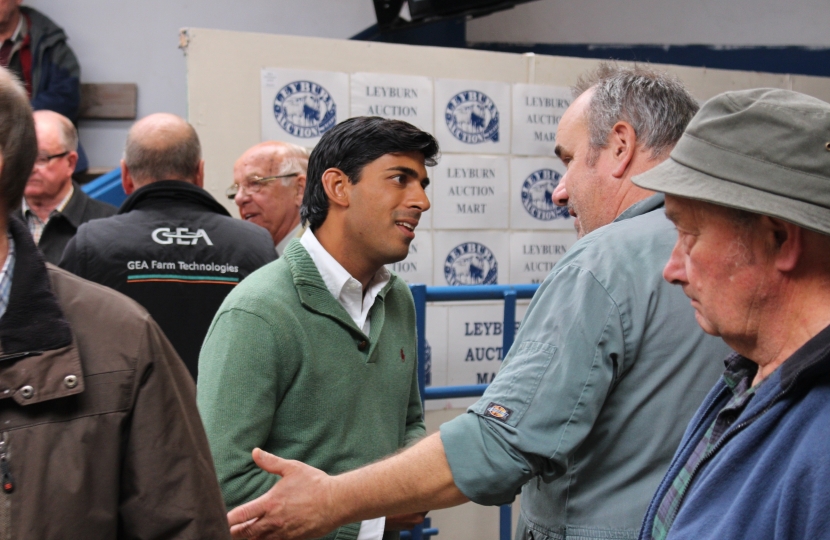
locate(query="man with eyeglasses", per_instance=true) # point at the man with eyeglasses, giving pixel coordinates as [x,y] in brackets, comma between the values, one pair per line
[269,181]
[53,205]
[172,247]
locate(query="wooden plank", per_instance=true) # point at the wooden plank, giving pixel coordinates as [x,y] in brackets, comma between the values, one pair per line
[111,101]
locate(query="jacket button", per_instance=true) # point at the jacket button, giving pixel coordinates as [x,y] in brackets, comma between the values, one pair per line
[70,381]
[27,391]
[362,345]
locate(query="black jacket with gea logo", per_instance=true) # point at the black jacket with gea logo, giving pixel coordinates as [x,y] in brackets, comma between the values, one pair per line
[174,250]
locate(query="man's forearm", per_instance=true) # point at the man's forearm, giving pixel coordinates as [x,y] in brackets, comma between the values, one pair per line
[307,503]
[415,480]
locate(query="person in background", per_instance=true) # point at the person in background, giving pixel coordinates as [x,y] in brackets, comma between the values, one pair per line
[315,356]
[99,433]
[34,48]
[748,188]
[172,247]
[53,205]
[268,185]
[606,368]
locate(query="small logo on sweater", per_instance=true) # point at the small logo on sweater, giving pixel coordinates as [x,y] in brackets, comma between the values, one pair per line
[499,412]
[403,356]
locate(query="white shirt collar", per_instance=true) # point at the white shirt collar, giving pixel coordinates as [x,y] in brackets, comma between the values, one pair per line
[342,286]
[294,233]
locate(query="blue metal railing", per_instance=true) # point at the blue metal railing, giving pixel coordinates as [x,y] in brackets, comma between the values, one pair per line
[107,188]
[423,294]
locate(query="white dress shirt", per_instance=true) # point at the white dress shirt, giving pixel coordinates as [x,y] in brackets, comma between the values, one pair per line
[349,293]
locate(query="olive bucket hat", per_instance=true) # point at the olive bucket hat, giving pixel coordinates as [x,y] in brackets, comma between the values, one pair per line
[764,150]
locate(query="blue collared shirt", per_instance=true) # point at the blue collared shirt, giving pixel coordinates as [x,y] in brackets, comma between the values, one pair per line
[6,278]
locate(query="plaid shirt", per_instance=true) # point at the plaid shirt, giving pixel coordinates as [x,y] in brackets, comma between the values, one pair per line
[6,278]
[738,377]
[36,225]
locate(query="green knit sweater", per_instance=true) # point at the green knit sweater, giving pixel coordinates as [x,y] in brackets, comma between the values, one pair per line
[284,368]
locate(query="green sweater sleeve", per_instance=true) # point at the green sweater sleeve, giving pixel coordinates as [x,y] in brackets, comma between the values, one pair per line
[415,427]
[237,392]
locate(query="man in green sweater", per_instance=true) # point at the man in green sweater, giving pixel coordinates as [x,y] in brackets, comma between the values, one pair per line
[313,357]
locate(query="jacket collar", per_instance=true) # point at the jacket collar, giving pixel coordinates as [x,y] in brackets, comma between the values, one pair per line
[39,360]
[316,296]
[75,207]
[171,190]
[33,320]
[643,207]
[809,363]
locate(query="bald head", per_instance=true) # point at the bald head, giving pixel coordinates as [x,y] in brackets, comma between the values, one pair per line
[18,142]
[61,125]
[162,147]
[276,158]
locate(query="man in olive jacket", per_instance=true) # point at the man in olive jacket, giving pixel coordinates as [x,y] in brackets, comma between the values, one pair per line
[99,433]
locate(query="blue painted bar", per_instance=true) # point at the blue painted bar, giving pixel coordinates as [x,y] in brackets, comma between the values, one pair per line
[477,292]
[449,392]
[422,294]
[107,188]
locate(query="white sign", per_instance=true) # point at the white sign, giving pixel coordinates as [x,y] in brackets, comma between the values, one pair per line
[298,106]
[470,192]
[536,114]
[472,116]
[417,267]
[475,335]
[436,354]
[532,181]
[401,97]
[534,254]
[471,257]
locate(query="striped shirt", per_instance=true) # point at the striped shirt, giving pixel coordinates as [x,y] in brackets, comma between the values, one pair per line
[738,377]
[36,225]
[6,278]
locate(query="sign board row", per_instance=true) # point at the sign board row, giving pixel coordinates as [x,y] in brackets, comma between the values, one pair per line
[495,192]
[482,257]
[466,116]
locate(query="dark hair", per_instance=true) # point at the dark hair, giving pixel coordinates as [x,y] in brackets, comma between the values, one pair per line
[18,140]
[350,146]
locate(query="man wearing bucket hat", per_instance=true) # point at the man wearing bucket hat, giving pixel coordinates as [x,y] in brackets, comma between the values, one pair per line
[748,187]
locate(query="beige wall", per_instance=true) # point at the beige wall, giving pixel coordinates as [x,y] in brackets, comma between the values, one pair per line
[223,89]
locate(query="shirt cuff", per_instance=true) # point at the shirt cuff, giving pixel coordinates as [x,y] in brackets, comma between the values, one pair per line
[372,529]
[484,466]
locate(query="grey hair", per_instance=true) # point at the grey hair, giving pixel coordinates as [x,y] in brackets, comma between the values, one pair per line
[655,103]
[149,161]
[294,159]
[69,135]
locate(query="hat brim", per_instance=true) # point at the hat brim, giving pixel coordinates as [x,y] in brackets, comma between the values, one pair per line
[674,178]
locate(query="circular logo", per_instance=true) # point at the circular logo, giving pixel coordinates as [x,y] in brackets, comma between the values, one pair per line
[537,195]
[472,117]
[471,263]
[305,109]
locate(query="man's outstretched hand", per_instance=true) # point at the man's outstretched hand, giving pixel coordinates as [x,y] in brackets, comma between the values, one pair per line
[298,507]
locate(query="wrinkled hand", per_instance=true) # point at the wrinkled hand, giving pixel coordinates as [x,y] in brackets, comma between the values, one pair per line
[298,507]
[404,522]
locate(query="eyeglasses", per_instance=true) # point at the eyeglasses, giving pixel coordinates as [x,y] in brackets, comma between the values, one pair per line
[255,184]
[42,161]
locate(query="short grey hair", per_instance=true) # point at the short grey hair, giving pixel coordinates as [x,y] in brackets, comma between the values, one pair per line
[294,160]
[69,135]
[655,103]
[150,161]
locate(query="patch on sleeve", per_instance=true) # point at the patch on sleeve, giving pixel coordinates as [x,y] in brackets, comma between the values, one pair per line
[499,412]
